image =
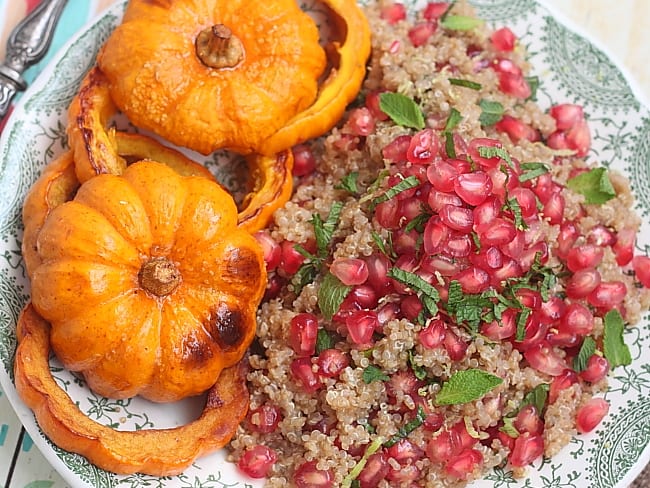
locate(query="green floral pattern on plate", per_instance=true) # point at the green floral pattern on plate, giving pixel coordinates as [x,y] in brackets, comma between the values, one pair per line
[570,68]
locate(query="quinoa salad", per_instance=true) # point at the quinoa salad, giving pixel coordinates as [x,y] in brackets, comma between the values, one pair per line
[449,284]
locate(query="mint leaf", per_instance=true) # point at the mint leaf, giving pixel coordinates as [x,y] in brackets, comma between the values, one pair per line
[460,22]
[453,120]
[373,373]
[614,347]
[402,110]
[407,428]
[324,340]
[428,295]
[533,83]
[489,152]
[406,184]
[491,112]
[532,170]
[466,386]
[472,85]
[536,397]
[331,294]
[595,185]
[324,230]
[587,349]
[349,183]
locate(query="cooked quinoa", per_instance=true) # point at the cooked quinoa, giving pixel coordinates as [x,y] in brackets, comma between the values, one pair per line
[337,420]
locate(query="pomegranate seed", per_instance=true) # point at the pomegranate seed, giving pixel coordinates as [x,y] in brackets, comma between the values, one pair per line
[528,420]
[270,248]
[433,421]
[624,246]
[544,187]
[578,138]
[462,166]
[302,333]
[554,208]
[360,122]
[516,129]
[566,115]
[273,287]
[441,264]
[411,307]
[395,151]
[534,332]
[498,330]
[304,161]
[291,259]
[567,237]
[515,85]
[351,271]
[561,382]
[582,283]
[462,465]
[378,265]
[363,296]
[455,346]
[552,310]
[372,104]
[374,471]
[485,213]
[608,294]
[526,200]
[264,419]
[403,383]
[442,175]
[526,449]
[473,188]
[361,325]
[421,32]
[301,369]
[577,319]
[597,368]
[488,258]
[515,246]
[406,262]
[433,335]
[331,362]
[499,232]
[434,10]
[503,39]
[307,475]
[405,452]
[438,199]
[600,235]
[485,163]
[544,359]
[393,13]
[473,280]
[257,461]
[458,245]
[583,257]
[457,218]
[387,214]
[641,266]
[590,414]
[423,148]
[510,269]
[506,66]
[557,140]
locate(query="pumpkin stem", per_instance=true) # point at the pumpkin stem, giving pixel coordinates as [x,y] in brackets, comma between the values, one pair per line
[217,47]
[159,277]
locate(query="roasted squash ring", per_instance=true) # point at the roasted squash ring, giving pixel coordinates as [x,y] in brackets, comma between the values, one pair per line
[150,287]
[234,74]
[158,452]
[98,150]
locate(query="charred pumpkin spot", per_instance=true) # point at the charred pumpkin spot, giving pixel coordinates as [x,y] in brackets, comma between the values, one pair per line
[242,265]
[226,326]
[195,352]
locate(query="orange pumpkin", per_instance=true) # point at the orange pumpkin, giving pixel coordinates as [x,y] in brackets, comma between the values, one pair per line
[159,452]
[234,74]
[148,284]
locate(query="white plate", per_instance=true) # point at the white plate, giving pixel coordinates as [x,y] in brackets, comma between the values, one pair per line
[571,68]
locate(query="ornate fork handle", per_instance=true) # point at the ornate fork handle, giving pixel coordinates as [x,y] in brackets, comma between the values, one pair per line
[27,44]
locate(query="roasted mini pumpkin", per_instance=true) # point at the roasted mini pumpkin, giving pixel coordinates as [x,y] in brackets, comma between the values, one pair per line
[232,73]
[148,283]
[159,452]
[99,149]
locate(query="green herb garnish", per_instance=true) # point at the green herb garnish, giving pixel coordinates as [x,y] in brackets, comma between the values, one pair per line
[453,120]
[372,373]
[349,183]
[614,347]
[491,112]
[331,294]
[536,397]
[490,152]
[460,22]
[406,184]
[587,349]
[402,110]
[472,85]
[407,428]
[532,170]
[466,386]
[428,295]
[533,83]
[324,340]
[595,185]
[373,447]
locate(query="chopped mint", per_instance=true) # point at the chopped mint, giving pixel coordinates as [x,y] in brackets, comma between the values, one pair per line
[460,22]
[373,373]
[491,112]
[402,110]
[595,185]
[614,347]
[472,85]
[465,386]
[331,294]
[587,349]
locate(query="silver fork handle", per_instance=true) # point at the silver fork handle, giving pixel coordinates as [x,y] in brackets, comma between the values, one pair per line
[27,44]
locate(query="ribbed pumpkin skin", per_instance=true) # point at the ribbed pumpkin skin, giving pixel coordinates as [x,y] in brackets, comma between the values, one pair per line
[127,337]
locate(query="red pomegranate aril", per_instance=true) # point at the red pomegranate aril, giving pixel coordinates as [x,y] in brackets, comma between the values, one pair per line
[510,269]
[538,251]
[303,331]
[442,175]
[590,414]
[406,241]
[378,265]
[393,13]
[372,104]
[462,166]
[557,140]
[423,148]
[433,335]
[566,115]
[544,187]
[597,368]
[578,138]
[528,420]
[544,359]
[607,295]
[257,461]
[401,383]
[454,345]
[395,151]
[641,267]
[264,419]
[411,307]
[406,262]
[421,32]
[273,286]
[535,332]
[439,449]
[584,257]
[270,248]
[291,259]
[515,85]
[553,209]
[561,382]
[529,298]
[485,163]
[304,161]
[515,246]
[438,199]
[473,280]
[331,362]
[566,238]
[464,464]
[434,236]
[387,311]
[498,233]
[624,246]
[351,271]
[577,319]
[365,296]
[307,475]
[488,258]
[516,129]
[552,310]
[486,212]
[458,245]
[301,369]
[497,330]
[361,122]
[387,214]
[503,39]
[361,325]
[405,452]
[601,236]
[441,264]
[526,200]
[582,283]
[374,471]
[474,187]
[526,449]
[434,10]
[457,218]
